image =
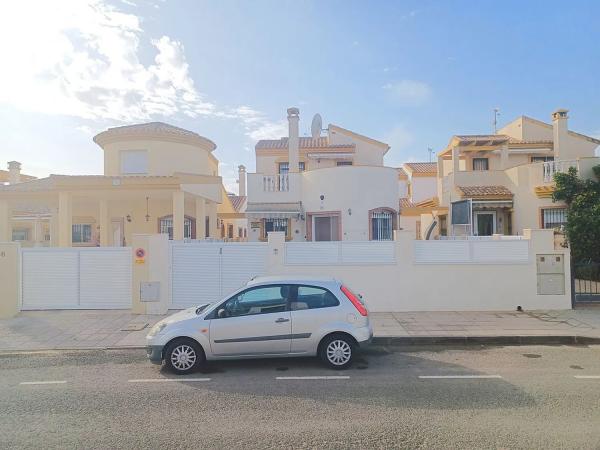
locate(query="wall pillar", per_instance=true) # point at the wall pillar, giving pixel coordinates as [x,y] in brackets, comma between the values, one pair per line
[104,223]
[504,156]
[152,268]
[178,215]
[200,218]
[10,253]
[213,231]
[65,220]
[455,159]
[5,228]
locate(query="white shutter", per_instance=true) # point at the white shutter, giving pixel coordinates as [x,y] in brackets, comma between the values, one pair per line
[105,278]
[196,276]
[134,162]
[50,279]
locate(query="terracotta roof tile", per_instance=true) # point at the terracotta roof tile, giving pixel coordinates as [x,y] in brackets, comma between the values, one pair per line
[406,203]
[237,201]
[305,142]
[4,176]
[422,167]
[485,191]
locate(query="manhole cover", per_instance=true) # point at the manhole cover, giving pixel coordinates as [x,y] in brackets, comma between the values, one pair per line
[576,367]
[134,327]
[531,355]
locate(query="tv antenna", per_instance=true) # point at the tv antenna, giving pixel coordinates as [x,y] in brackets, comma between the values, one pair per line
[496,114]
[316,126]
[430,150]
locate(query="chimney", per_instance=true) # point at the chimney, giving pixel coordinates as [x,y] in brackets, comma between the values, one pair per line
[560,131]
[293,140]
[242,180]
[14,172]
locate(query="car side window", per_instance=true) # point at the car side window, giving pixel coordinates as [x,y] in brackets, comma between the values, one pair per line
[311,297]
[259,300]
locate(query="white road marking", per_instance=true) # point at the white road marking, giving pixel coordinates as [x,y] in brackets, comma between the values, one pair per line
[329,377]
[42,382]
[587,377]
[166,380]
[460,377]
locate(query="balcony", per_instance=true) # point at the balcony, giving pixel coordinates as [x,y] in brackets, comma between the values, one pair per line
[276,183]
[562,166]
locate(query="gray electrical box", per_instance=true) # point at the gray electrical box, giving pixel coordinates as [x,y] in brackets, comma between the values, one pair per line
[150,291]
[550,274]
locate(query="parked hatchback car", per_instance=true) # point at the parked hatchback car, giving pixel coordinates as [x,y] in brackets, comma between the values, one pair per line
[269,317]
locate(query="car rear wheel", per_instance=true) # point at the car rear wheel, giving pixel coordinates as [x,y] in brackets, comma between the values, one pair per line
[183,356]
[337,351]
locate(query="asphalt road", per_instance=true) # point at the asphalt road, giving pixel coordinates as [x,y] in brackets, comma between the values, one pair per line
[511,397]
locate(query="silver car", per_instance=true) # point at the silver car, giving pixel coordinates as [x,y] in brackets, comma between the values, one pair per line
[269,317]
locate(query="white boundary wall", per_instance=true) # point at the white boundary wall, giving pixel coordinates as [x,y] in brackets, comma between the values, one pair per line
[500,277]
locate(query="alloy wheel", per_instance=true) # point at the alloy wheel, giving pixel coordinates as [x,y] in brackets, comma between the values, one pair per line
[183,357]
[339,352]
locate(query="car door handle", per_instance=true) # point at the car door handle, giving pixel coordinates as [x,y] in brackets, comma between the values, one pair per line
[281,320]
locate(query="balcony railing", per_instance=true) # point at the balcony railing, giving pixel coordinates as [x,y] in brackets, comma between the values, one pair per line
[276,183]
[560,166]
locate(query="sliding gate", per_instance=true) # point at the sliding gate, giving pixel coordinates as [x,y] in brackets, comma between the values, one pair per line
[208,271]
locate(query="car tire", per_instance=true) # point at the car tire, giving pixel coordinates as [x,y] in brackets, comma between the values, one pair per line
[183,356]
[337,351]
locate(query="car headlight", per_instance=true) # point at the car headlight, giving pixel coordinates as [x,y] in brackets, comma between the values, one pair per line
[156,329]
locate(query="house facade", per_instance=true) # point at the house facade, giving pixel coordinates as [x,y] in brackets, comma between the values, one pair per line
[503,183]
[157,179]
[322,188]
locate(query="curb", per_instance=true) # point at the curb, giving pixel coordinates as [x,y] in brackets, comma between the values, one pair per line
[485,340]
[398,341]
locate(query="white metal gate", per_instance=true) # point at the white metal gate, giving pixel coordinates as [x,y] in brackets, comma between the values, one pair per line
[76,278]
[208,271]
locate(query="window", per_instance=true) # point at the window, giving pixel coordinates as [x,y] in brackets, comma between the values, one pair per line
[276,225]
[165,226]
[20,234]
[554,218]
[537,159]
[310,297]
[230,231]
[382,224]
[240,232]
[207,226]
[343,163]
[134,162]
[480,164]
[284,167]
[260,300]
[82,233]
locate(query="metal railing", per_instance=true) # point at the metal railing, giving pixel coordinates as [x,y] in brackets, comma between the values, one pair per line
[560,166]
[586,281]
[481,238]
[276,183]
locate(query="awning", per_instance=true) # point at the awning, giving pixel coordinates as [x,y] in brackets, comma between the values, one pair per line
[330,155]
[492,204]
[261,210]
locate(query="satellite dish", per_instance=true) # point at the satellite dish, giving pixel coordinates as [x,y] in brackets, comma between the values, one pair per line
[316,126]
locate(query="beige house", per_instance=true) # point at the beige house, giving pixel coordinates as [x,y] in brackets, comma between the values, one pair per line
[503,183]
[157,179]
[417,182]
[322,188]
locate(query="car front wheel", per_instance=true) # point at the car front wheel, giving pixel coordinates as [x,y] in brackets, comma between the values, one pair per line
[183,356]
[337,351]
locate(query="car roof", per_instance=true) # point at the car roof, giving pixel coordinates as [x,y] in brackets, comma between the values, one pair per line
[294,279]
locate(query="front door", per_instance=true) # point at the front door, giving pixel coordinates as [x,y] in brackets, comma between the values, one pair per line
[485,222]
[256,321]
[325,228]
[117,232]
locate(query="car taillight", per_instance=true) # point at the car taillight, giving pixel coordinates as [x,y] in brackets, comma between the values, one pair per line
[355,301]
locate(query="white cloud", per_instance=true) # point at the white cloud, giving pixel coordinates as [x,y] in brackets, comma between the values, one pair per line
[81,58]
[399,138]
[409,92]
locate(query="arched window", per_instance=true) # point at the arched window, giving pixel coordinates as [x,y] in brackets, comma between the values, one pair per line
[165,225]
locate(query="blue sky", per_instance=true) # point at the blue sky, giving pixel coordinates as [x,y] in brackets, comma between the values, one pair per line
[411,73]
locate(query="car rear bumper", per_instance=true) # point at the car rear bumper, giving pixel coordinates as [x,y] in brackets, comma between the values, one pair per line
[154,353]
[364,336]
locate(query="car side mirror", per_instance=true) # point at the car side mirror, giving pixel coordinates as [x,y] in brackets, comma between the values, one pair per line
[221,313]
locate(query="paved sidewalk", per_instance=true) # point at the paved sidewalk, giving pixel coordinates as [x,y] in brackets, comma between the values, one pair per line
[48,330]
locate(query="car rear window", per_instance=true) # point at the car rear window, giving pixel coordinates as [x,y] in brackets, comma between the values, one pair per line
[312,297]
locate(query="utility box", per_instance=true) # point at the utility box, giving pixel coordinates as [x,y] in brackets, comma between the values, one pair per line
[550,274]
[150,291]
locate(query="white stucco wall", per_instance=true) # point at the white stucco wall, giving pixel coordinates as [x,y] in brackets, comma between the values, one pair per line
[423,188]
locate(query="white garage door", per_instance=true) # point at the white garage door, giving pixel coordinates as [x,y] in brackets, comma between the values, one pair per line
[207,271]
[76,278]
